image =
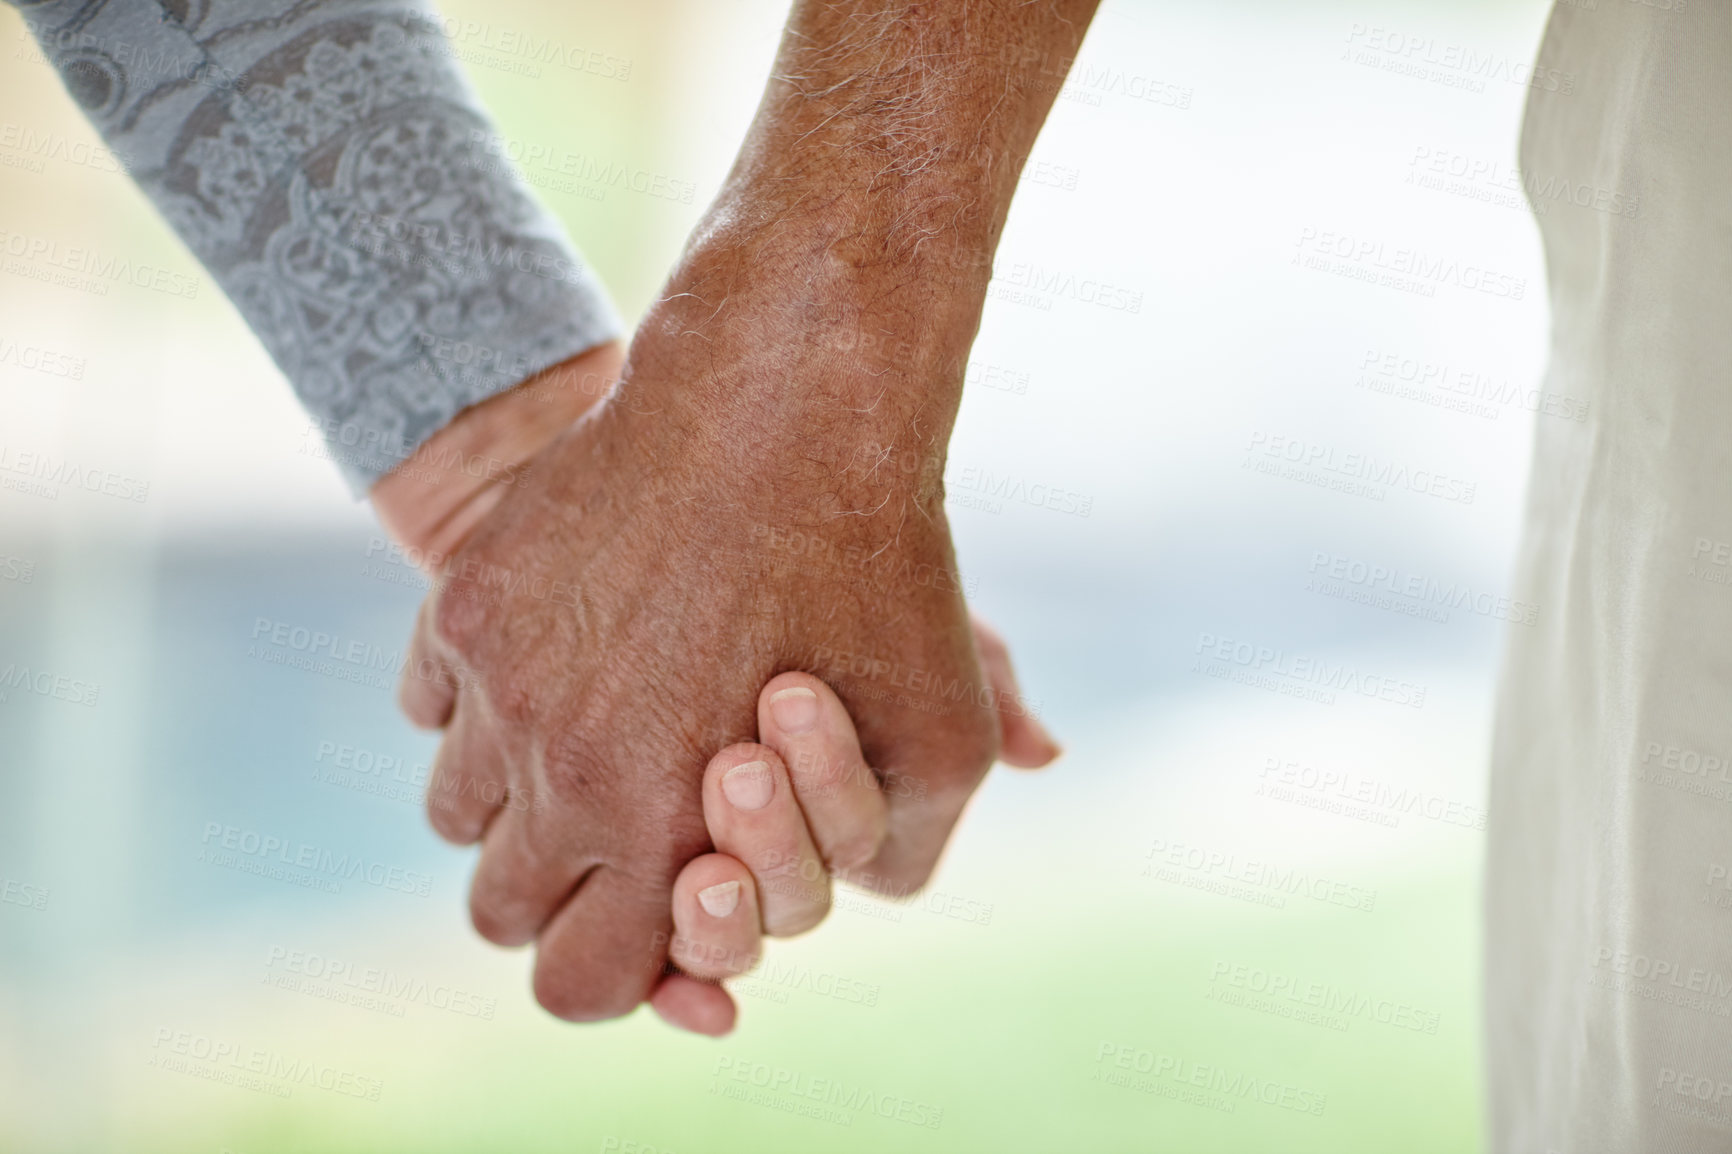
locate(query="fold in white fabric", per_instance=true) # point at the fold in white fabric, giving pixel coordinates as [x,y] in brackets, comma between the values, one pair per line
[1609,828]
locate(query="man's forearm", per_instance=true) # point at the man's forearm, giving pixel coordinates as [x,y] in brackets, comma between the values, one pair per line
[900,127]
[840,274]
[849,251]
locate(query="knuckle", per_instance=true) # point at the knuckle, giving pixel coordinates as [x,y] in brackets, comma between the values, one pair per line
[793,679]
[740,753]
[897,883]
[990,644]
[450,822]
[687,835]
[957,761]
[905,883]
[917,880]
[426,690]
[552,847]
[511,692]
[818,775]
[457,617]
[706,959]
[787,877]
[797,920]
[854,850]
[501,913]
[570,997]
[493,924]
[412,704]
[577,777]
[977,748]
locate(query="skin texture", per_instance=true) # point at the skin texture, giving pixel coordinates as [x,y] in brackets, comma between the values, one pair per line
[602,713]
[432,504]
[762,492]
[827,800]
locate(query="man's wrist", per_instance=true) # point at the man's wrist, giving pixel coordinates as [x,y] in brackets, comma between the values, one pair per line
[855,234]
[774,340]
[909,119]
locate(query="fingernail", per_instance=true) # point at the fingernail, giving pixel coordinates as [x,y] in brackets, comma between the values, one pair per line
[748,786]
[795,710]
[721,900]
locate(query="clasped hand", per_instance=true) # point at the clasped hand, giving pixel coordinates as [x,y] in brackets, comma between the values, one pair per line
[658,515]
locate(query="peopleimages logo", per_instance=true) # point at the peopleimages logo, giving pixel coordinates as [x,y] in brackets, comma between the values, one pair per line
[1338,790]
[55,146]
[535,159]
[1331,572]
[1215,653]
[1365,258]
[528,45]
[1271,883]
[306,971]
[1435,167]
[254,1067]
[994,488]
[1459,64]
[37,359]
[43,475]
[1466,390]
[1050,282]
[31,897]
[222,843]
[354,651]
[44,683]
[1664,971]
[100,267]
[1337,1002]
[1359,474]
[829,1092]
[1232,1086]
[1693,1095]
[142,62]
[434,244]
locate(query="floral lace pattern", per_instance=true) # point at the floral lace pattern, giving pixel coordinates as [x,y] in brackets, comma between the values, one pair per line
[331,169]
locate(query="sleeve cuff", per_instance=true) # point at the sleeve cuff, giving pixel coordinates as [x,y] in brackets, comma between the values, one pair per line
[330,167]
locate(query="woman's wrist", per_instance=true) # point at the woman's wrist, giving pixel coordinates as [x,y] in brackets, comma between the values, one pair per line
[431,501]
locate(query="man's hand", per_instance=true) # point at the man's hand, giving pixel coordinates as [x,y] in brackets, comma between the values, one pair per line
[762,493]
[612,621]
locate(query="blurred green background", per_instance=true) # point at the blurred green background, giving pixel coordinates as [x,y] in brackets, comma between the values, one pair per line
[1083,976]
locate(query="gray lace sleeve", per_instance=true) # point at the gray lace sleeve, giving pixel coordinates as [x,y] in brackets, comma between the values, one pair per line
[329,165]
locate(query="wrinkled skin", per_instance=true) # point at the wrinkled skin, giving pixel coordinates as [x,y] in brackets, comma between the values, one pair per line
[752,500]
[798,382]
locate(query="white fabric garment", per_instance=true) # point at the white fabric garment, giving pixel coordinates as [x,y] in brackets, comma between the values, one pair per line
[1609,870]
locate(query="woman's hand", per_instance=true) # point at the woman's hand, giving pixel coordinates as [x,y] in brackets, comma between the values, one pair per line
[786,814]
